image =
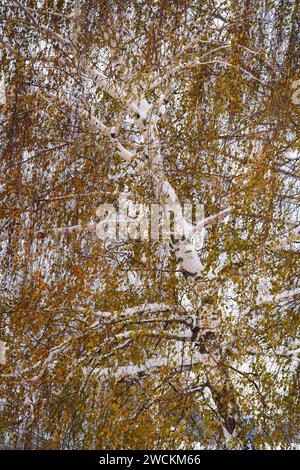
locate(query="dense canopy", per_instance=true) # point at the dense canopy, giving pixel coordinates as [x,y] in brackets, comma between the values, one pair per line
[149,343]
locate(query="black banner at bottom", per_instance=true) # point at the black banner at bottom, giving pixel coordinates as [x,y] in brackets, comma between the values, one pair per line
[132,459]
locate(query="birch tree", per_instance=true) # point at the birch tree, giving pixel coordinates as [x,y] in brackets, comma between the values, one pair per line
[131,342]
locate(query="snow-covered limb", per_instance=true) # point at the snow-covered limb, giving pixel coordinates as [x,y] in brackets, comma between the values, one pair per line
[222,62]
[134,334]
[90,227]
[125,154]
[224,397]
[133,311]
[178,362]
[172,69]
[209,220]
[294,354]
[197,62]
[109,87]
[286,295]
[186,254]
[188,258]
[290,242]
[171,198]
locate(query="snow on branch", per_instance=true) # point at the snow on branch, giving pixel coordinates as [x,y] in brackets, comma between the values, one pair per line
[178,362]
[133,311]
[286,295]
[290,242]
[211,219]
